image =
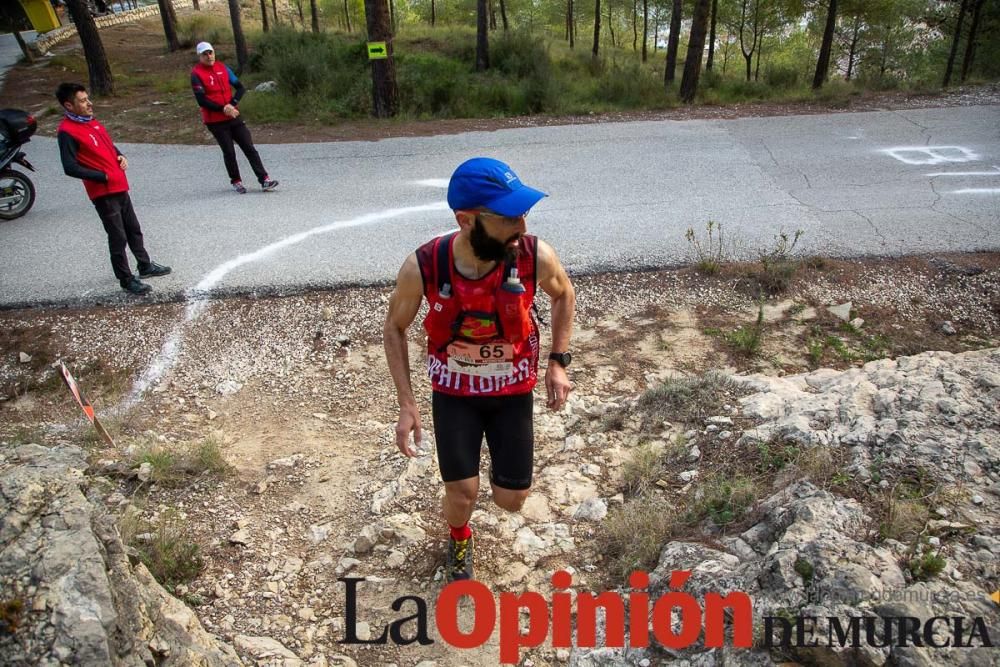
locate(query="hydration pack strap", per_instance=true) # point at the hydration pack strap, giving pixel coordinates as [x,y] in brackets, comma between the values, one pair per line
[443,270]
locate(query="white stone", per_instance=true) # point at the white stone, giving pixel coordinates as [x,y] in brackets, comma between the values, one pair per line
[228,387]
[145,471]
[688,475]
[843,311]
[24,357]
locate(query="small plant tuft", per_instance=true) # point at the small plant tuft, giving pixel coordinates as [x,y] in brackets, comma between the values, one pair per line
[643,470]
[631,536]
[926,566]
[710,255]
[688,400]
[747,340]
[805,570]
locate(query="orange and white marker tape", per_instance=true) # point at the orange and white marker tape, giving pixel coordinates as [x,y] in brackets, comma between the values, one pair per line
[88,409]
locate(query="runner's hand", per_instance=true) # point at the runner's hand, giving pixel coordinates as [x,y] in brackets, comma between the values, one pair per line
[557,386]
[409,420]
[122,162]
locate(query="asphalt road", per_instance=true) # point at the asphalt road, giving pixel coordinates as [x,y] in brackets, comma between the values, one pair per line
[622,196]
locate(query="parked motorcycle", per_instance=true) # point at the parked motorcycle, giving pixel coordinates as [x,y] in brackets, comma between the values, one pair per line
[17,192]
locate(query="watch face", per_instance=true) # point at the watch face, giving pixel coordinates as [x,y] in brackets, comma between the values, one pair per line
[563,358]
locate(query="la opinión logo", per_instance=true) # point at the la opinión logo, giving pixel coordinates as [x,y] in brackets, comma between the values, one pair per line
[556,617]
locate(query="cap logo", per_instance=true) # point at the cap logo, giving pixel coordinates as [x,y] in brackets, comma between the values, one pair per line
[510,177]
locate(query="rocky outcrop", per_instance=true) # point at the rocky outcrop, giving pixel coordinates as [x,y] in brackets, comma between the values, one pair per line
[814,553]
[71,593]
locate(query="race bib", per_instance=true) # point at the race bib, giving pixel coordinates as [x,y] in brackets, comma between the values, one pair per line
[487,360]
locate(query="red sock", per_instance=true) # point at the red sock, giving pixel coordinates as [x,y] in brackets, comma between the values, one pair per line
[460,533]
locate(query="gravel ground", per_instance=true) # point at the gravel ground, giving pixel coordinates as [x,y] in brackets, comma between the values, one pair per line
[296,391]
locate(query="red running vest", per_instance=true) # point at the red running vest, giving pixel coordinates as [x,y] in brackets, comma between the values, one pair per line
[215,79]
[95,150]
[482,339]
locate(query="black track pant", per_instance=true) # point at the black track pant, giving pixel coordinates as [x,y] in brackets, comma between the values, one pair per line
[235,130]
[123,230]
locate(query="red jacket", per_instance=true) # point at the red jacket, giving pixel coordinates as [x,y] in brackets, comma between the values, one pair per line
[96,151]
[214,83]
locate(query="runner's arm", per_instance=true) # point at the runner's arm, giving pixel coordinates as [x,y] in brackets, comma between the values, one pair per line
[403,306]
[553,280]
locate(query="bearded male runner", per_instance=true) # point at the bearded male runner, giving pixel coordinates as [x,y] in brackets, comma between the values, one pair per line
[482,343]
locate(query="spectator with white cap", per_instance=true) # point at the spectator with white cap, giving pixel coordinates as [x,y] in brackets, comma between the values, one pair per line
[218,92]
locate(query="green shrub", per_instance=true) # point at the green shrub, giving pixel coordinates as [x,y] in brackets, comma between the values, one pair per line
[927,566]
[726,501]
[781,76]
[164,547]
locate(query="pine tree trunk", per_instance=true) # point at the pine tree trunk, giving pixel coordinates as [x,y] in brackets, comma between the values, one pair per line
[853,49]
[194,4]
[493,14]
[314,15]
[482,37]
[503,15]
[432,13]
[954,43]
[611,25]
[302,18]
[823,63]
[263,15]
[274,12]
[645,27]
[169,20]
[673,41]
[385,93]
[635,25]
[696,47]
[711,36]
[240,40]
[25,51]
[597,27]
[101,80]
[347,17]
[970,43]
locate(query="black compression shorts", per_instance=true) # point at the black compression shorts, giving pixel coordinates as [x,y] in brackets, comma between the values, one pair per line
[459,425]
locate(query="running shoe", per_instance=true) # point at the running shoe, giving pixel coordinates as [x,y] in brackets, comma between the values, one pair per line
[459,565]
[239,187]
[134,286]
[268,185]
[153,270]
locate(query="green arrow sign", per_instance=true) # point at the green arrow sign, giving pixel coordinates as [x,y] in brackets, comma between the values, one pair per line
[377,51]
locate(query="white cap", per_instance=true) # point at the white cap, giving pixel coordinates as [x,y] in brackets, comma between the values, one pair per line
[202,47]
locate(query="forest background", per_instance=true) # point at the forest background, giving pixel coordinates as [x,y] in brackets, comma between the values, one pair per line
[499,58]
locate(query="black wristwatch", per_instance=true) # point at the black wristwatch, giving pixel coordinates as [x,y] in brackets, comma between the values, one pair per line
[561,358]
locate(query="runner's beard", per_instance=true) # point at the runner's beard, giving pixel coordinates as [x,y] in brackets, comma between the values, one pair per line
[488,249]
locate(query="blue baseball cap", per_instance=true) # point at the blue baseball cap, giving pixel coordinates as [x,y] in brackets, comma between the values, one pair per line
[483,181]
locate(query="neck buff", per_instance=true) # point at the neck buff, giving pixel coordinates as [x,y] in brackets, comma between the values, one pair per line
[79,119]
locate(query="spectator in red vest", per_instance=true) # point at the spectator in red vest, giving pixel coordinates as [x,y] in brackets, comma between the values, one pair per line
[88,153]
[482,343]
[218,93]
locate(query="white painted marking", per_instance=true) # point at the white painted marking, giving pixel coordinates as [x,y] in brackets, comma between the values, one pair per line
[931,154]
[199,296]
[977,191]
[434,183]
[995,172]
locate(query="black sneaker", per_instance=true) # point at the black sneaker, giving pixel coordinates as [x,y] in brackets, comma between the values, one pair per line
[153,270]
[135,286]
[459,565]
[268,185]
[239,187]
